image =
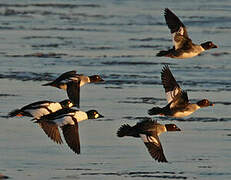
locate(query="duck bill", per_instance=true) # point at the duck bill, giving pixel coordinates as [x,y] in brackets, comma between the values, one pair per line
[101,80]
[47,84]
[211,104]
[50,84]
[101,116]
[214,46]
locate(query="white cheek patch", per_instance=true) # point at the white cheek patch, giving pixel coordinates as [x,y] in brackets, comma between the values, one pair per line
[70,105]
[148,139]
[96,116]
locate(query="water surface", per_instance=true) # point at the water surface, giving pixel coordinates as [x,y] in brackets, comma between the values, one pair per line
[118,40]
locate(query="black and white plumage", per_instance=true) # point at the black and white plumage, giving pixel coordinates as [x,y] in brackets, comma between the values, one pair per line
[67,120]
[183,47]
[40,108]
[178,102]
[71,82]
[148,131]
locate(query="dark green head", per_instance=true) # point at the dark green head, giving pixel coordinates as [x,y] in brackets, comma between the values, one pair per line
[172,127]
[95,78]
[93,114]
[204,103]
[208,45]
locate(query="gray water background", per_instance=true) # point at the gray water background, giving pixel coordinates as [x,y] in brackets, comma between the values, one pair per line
[118,40]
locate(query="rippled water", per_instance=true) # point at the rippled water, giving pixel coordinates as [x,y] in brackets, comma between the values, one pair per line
[119,40]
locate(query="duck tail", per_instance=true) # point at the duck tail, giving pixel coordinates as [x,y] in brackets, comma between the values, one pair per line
[155,111]
[16,112]
[162,53]
[124,130]
[48,84]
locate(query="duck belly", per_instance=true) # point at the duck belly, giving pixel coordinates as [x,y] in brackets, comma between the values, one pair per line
[187,55]
[182,113]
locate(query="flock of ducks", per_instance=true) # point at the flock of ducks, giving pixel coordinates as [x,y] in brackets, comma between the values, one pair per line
[65,115]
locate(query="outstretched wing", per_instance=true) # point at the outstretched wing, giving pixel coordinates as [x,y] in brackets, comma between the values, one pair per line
[180,101]
[71,135]
[178,30]
[154,147]
[65,75]
[170,85]
[51,131]
[73,91]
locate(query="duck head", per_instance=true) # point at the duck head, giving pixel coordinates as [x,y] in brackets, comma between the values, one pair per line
[66,103]
[93,114]
[204,103]
[95,78]
[172,127]
[208,45]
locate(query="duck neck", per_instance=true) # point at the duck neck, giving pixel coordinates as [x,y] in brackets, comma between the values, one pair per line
[80,116]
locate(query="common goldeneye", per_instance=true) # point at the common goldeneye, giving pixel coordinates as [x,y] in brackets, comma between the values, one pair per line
[40,108]
[71,82]
[183,47]
[149,131]
[67,119]
[178,103]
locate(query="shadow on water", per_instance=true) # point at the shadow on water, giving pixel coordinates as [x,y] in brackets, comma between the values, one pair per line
[191,119]
[132,174]
[139,174]
[153,100]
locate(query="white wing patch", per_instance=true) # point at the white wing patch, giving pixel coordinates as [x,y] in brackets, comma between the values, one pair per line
[74,78]
[37,113]
[64,120]
[54,107]
[170,95]
[148,139]
[43,104]
[177,38]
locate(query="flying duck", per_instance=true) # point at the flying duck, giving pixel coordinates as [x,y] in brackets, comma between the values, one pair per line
[178,103]
[183,47]
[40,108]
[71,82]
[67,119]
[149,131]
